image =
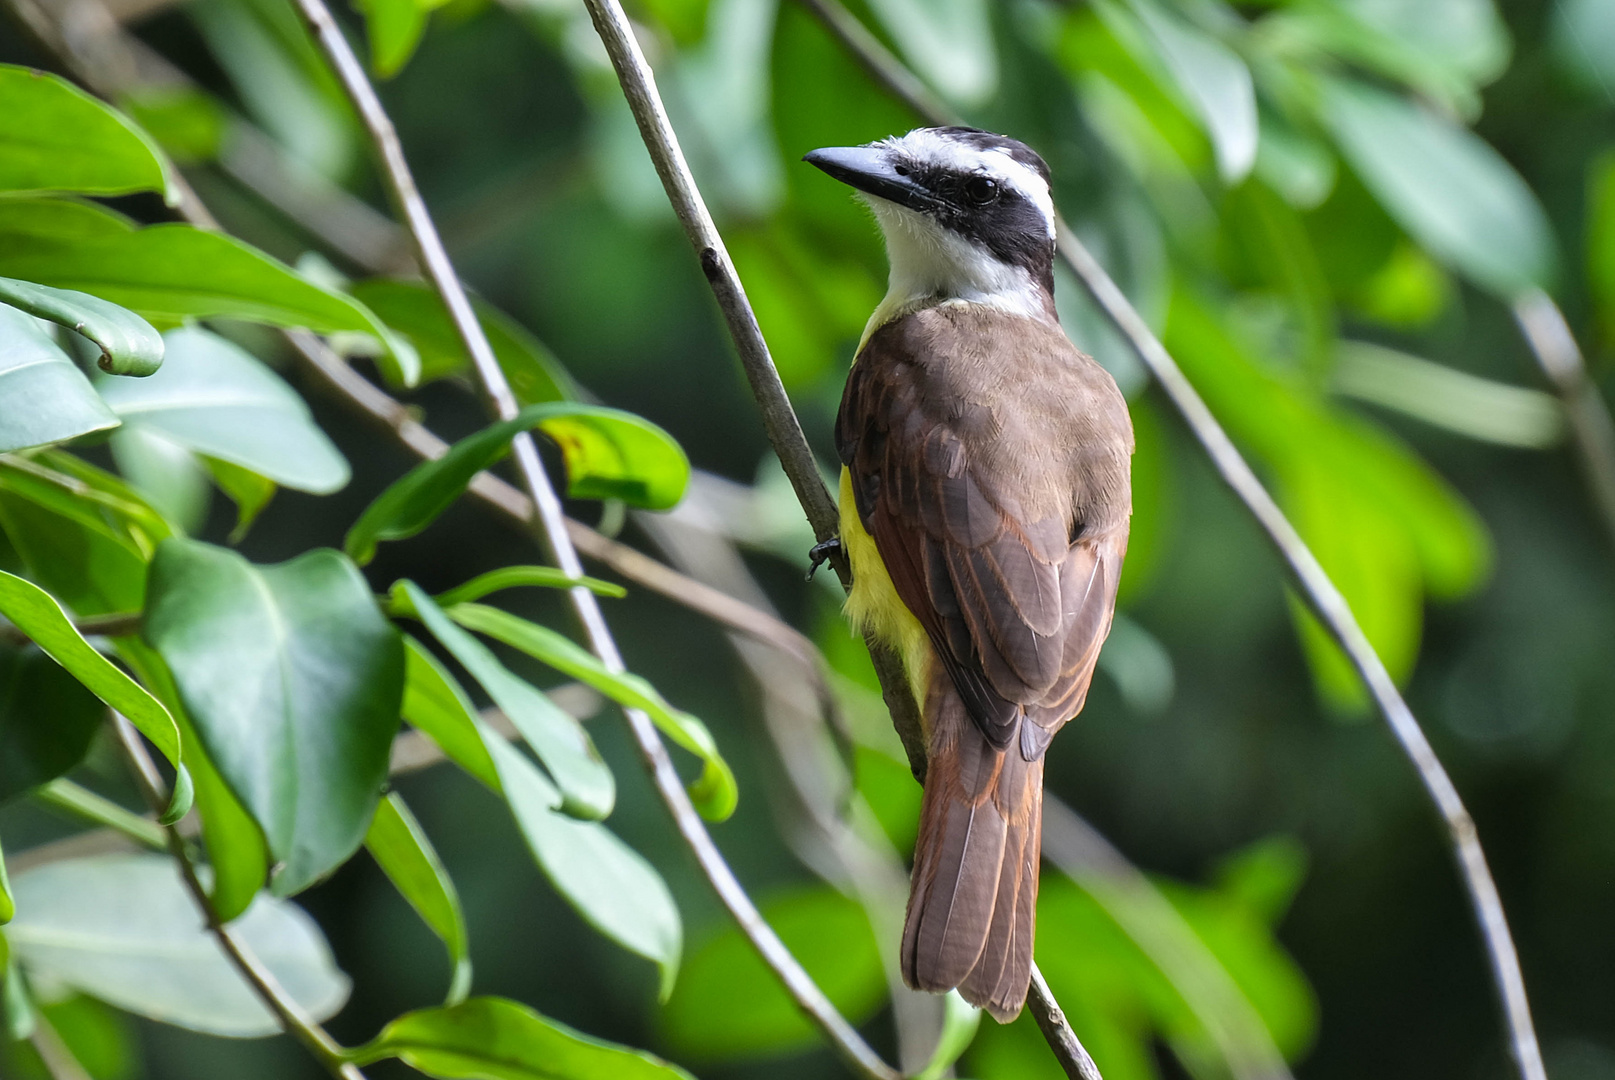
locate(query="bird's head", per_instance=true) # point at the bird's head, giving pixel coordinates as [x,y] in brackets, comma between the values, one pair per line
[967,215]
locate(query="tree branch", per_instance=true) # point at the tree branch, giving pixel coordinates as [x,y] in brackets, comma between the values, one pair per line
[1555,349]
[304,1028]
[1316,588]
[550,527]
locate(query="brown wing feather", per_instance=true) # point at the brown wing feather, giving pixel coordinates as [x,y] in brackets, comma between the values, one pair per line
[1001,519]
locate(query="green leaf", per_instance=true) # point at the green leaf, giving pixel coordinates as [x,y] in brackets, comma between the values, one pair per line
[169,273]
[47,719]
[713,792]
[8,911]
[414,309]
[1462,403]
[609,454]
[214,398]
[563,746]
[129,345]
[1444,185]
[47,398]
[498,1039]
[1601,236]
[55,137]
[435,703]
[248,490]
[729,1006]
[187,123]
[293,680]
[124,929]
[43,620]
[395,28]
[84,534]
[402,850]
[950,43]
[606,881]
[510,577]
[959,1023]
[166,473]
[235,844]
[1215,81]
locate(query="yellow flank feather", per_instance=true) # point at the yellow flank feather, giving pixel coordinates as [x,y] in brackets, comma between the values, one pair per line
[873,605]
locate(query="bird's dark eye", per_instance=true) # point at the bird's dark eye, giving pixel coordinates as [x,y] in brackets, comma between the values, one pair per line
[900,170]
[981,190]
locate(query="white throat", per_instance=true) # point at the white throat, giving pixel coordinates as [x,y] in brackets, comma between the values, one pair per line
[932,265]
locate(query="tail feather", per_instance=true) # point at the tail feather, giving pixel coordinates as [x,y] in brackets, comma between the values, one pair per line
[972,902]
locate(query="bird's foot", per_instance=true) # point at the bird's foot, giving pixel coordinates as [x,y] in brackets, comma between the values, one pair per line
[821,553]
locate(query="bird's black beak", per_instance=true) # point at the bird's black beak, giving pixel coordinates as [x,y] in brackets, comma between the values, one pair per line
[871,170]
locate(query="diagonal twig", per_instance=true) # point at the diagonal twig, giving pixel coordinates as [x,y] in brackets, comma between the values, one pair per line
[1317,589]
[297,1023]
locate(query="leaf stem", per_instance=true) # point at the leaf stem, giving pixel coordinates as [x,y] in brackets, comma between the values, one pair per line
[85,804]
[550,525]
[304,1028]
[1316,587]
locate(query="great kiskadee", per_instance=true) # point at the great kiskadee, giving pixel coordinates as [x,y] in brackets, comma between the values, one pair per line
[985,498]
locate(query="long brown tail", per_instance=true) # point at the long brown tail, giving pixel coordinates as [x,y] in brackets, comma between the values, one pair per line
[972,901]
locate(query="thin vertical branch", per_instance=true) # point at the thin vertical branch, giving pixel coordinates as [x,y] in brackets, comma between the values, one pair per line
[1057,1030]
[1316,588]
[1556,351]
[297,1023]
[551,530]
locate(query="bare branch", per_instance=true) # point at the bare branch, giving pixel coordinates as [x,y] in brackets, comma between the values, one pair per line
[1555,349]
[297,1023]
[1319,592]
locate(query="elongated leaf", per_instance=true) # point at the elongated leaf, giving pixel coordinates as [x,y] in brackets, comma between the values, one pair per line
[1456,400]
[559,741]
[8,911]
[84,534]
[1216,82]
[249,491]
[214,398]
[729,1006]
[47,719]
[714,792]
[609,454]
[1445,186]
[959,1023]
[415,310]
[293,679]
[435,703]
[609,883]
[401,849]
[510,577]
[55,137]
[606,881]
[43,620]
[498,1039]
[47,399]
[123,928]
[129,345]
[168,273]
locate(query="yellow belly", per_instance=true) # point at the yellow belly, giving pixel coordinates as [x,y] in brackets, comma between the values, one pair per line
[873,604]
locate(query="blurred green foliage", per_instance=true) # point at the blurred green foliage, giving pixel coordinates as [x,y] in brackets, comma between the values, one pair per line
[1325,207]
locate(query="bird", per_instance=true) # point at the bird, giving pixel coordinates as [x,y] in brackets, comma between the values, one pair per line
[985,498]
